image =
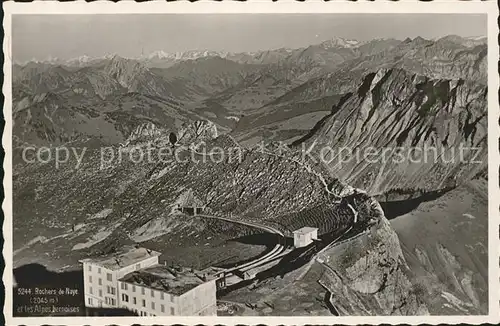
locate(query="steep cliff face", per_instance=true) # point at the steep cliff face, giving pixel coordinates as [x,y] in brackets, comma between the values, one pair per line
[369,276]
[400,129]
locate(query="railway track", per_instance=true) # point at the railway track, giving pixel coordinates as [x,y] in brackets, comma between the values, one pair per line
[276,251]
[280,248]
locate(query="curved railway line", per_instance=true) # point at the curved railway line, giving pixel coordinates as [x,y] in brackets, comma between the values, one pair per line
[280,248]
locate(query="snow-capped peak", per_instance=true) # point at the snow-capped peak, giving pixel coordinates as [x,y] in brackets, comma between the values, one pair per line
[156,55]
[181,55]
[80,60]
[339,42]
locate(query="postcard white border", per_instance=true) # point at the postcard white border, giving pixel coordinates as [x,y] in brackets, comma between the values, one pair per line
[409,6]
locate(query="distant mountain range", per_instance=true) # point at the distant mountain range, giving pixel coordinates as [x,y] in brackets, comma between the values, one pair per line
[62,102]
[162,59]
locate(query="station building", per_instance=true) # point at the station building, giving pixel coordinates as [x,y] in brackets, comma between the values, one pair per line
[101,274]
[161,290]
[304,236]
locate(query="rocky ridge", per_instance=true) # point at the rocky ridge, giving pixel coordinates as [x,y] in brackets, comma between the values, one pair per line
[399,111]
[369,276]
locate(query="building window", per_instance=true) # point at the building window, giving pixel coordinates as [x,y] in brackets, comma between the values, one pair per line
[152,293]
[98,270]
[100,293]
[90,278]
[124,297]
[113,301]
[162,296]
[109,277]
[125,287]
[172,311]
[152,305]
[90,290]
[143,303]
[99,281]
[106,299]
[133,288]
[90,268]
[111,290]
[162,307]
[134,300]
[171,298]
[90,301]
[143,291]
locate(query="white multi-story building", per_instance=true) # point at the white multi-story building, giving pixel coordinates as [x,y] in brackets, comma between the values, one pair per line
[304,236]
[167,291]
[101,274]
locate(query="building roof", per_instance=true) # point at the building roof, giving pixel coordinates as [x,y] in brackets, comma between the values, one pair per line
[188,199]
[305,230]
[173,280]
[123,257]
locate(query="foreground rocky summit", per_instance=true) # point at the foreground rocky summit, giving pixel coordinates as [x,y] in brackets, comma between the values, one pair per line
[369,276]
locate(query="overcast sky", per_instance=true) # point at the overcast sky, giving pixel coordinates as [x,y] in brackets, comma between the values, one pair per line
[68,36]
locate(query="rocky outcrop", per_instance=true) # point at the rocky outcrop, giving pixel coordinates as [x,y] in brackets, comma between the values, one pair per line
[145,132]
[369,276]
[192,133]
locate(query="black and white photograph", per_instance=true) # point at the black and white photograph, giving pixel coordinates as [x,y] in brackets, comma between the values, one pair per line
[250,165]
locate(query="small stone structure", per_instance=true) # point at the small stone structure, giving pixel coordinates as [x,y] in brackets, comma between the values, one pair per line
[304,236]
[189,204]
